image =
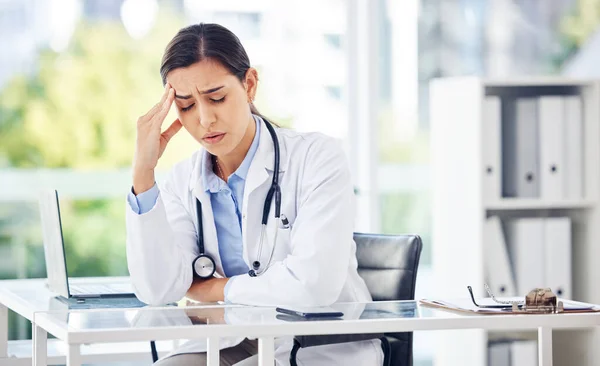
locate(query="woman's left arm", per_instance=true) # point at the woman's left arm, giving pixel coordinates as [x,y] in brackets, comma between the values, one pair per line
[209,290]
[321,238]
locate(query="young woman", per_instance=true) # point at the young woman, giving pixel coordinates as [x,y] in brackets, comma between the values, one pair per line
[259,215]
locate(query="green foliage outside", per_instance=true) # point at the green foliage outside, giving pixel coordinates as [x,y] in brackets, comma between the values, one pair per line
[78,110]
[575,29]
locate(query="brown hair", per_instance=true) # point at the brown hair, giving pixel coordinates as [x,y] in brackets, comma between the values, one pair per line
[206,41]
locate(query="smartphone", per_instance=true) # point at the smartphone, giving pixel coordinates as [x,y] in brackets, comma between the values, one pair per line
[316,312]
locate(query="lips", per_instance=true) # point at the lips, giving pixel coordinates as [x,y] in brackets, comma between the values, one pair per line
[213,138]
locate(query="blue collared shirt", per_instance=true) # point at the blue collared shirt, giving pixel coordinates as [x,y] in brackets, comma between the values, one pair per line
[226,201]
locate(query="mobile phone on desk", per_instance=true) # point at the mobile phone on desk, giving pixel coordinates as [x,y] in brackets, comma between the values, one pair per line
[311,313]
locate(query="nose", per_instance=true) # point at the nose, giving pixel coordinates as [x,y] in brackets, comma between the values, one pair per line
[206,115]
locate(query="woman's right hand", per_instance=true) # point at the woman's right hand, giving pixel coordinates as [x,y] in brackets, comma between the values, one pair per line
[151,143]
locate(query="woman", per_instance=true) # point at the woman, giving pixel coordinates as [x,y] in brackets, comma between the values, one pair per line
[307,256]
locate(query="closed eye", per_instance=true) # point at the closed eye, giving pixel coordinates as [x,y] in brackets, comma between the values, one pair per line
[188,107]
[217,100]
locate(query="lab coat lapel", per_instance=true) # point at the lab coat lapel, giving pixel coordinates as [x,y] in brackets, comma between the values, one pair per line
[261,166]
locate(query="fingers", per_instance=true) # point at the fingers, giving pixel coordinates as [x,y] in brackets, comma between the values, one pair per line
[158,106]
[160,115]
[172,130]
[165,93]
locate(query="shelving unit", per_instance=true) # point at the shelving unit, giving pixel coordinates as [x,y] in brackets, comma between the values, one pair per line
[535,204]
[462,202]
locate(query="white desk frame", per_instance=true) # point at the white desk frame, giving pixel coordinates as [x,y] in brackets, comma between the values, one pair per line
[544,324]
[27,296]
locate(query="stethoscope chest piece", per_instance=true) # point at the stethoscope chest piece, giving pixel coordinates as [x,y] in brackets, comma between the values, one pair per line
[204,266]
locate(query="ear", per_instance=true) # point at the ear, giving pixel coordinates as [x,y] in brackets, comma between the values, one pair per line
[251,83]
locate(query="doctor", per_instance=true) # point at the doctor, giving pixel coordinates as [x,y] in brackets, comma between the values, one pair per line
[269,210]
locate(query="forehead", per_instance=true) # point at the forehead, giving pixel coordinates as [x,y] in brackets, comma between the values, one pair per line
[200,76]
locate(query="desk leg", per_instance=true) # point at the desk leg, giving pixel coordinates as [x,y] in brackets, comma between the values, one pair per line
[40,346]
[545,346]
[212,352]
[74,355]
[3,331]
[266,351]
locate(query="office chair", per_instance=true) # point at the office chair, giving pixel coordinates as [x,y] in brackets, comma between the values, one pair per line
[388,264]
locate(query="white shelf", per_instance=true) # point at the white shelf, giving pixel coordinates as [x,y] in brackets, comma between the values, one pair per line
[536,204]
[465,193]
[536,82]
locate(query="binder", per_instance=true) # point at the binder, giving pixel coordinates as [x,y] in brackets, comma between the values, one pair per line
[557,235]
[525,238]
[491,149]
[499,354]
[551,139]
[499,275]
[520,163]
[573,133]
[523,353]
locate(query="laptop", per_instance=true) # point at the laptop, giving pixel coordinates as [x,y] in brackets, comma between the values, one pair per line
[56,264]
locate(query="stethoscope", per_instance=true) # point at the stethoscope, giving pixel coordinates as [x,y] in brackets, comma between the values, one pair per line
[204,265]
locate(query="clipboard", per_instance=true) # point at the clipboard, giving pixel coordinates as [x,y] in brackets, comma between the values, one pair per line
[465,306]
[537,301]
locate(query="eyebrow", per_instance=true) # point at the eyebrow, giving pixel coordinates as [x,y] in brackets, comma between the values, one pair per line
[208,91]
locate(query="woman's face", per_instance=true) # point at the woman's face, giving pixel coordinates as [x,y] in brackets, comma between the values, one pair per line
[213,105]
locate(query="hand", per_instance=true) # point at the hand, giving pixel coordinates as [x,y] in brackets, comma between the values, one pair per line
[209,290]
[151,143]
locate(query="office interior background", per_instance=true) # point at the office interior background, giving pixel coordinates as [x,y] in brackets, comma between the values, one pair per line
[76,74]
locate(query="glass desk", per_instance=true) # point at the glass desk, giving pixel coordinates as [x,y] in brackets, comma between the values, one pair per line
[215,322]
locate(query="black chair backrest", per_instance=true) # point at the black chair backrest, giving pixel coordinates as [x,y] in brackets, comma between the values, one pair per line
[388,264]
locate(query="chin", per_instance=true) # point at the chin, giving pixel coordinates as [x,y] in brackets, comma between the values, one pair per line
[217,150]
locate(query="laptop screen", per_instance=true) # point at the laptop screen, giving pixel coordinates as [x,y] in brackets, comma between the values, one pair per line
[54,250]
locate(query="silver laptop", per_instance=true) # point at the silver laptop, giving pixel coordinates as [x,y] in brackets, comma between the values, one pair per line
[56,264]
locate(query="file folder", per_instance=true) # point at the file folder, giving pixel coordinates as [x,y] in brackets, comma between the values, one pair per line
[552,152]
[574,145]
[523,353]
[520,146]
[491,148]
[499,354]
[557,237]
[525,238]
[497,262]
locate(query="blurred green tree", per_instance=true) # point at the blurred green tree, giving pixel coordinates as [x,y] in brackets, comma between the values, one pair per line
[582,22]
[575,28]
[78,110]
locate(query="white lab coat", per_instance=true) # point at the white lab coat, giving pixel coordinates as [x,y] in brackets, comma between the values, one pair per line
[314,262]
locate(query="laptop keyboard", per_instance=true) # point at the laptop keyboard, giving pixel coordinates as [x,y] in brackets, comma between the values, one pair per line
[100,289]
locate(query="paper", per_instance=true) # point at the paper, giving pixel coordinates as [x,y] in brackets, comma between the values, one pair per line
[466,306]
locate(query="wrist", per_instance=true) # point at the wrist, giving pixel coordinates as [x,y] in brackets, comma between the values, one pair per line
[222,284]
[143,181]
